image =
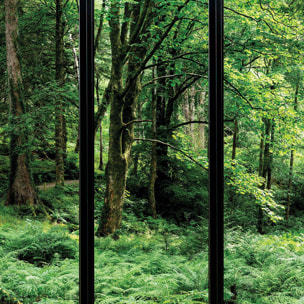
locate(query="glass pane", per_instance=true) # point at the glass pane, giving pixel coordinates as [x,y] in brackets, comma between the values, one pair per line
[39,124]
[151,158]
[263,77]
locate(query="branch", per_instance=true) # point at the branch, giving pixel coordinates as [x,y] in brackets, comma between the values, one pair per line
[174,148]
[187,123]
[184,86]
[250,61]
[140,22]
[238,13]
[154,49]
[173,59]
[197,121]
[100,28]
[242,96]
[254,19]
[161,77]
[66,2]
[135,121]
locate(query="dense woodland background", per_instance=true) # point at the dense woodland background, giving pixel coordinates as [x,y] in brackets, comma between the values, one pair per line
[151,156]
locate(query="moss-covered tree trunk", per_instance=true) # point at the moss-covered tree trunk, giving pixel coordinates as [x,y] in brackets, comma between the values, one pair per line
[123,100]
[21,187]
[60,125]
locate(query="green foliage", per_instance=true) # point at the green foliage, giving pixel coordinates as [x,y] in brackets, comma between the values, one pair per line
[71,168]
[265,269]
[43,171]
[153,261]
[156,261]
[62,204]
[38,247]
[28,244]
[248,185]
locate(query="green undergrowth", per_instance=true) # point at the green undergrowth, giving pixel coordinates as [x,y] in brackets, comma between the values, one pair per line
[153,261]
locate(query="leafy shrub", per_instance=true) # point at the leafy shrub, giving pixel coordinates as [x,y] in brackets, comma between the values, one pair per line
[71,167]
[43,171]
[62,204]
[3,184]
[184,198]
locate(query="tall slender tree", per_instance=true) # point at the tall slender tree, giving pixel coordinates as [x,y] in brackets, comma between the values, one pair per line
[60,124]
[21,188]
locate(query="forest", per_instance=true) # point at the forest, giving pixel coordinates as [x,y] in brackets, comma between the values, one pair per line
[151,151]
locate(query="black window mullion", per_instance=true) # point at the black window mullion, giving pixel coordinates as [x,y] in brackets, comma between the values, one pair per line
[86,156]
[216,154]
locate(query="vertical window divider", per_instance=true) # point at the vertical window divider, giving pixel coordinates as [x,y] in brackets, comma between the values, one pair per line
[216,153]
[86,156]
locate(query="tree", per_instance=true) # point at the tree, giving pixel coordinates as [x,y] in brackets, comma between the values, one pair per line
[132,47]
[60,123]
[21,187]
[123,103]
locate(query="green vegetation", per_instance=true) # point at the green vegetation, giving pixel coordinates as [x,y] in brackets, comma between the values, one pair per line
[151,151]
[153,261]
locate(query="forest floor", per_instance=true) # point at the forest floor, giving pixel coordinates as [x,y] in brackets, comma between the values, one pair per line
[154,261]
[52,185]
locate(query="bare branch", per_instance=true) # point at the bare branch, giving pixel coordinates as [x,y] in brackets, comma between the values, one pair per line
[174,148]
[135,121]
[188,123]
[161,77]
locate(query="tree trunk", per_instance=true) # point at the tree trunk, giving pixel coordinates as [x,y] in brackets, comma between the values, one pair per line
[261,151]
[265,170]
[21,188]
[235,137]
[164,112]
[101,149]
[60,124]
[261,162]
[100,127]
[269,169]
[289,183]
[153,176]
[123,103]
[292,153]
[77,76]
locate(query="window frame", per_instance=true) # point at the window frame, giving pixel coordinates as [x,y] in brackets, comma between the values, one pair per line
[216,154]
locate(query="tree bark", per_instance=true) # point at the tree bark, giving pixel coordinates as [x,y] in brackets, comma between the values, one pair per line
[269,169]
[21,188]
[123,103]
[261,151]
[292,154]
[100,167]
[60,124]
[289,183]
[235,137]
[77,76]
[153,174]
[261,162]
[266,168]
